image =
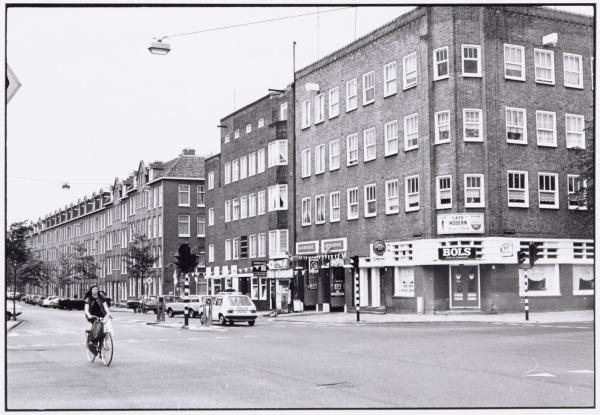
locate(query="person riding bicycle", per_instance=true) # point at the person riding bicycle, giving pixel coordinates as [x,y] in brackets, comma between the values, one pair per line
[96,306]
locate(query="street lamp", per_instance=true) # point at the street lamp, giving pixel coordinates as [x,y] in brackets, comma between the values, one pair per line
[159,47]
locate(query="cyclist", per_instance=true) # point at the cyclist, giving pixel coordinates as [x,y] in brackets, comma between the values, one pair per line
[96,305]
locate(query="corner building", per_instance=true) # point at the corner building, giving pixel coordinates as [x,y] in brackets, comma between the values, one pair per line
[450,135]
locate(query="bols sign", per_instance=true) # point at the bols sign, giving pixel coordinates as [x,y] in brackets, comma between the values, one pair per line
[456,252]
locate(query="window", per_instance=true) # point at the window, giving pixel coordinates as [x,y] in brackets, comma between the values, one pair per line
[243,167]
[235,248]
[392,197]
[334,155]
[514,62]
[544,66]
[516,126]
[444,192]
[260,160]
[334,207]
[306,215]
[370,200]
[574,126]
[370,145]
[440,63]
[411,196]
[211,253]
[201,226]
[236,134]
[472,125]
[320,159]
[542,280]
[404,282]
[278,243]
[573,70]
[320,209]
[334,102]
[351,95]
[390,83]
[243,207]
[262,244]
[411,132]
[183,222]
[278,153]
[227,173]
[251,205]
[236,209]
[583,280]
[283,112]
[251,164]
[260,197]
[319,108]
[211,180]
[235,170]
[546,128]
[252,242]
[211,216]
[184,194]
[278,197]
[518,189]
[226,138]
[306,158]
[442,127]
[410,70]
[227,249]
[261,123]
[352,149]
[228,211]
[474,195]
[200,195]
[368,88]
[548,190]
[576,192]
[352,203]
[248,128]
[471,60]
[305,114]
[390,131]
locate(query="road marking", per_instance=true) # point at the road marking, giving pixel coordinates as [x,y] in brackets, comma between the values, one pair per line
[38,345]
[542,375]
[563,327]
[73,344]
[221,337]
[13,334]
[497,323]
[583,371]
[134,341]
[581,327]
[513,324]
[194,338]
[249,335]
[547,326]
[164,340]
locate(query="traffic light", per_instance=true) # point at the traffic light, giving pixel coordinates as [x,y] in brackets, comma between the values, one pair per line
[355,261]
[534,253]
[186,260]
[522,256]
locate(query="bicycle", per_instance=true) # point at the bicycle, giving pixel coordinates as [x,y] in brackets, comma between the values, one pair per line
[102,348]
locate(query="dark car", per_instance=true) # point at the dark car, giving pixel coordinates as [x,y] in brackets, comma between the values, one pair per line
[143,303]
[71,304]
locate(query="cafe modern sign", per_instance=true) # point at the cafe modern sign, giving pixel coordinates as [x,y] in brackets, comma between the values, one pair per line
[460,223]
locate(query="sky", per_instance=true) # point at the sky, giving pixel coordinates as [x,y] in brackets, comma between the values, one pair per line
[94,101]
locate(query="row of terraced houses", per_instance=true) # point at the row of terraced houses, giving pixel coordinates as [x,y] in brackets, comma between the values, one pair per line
[448,135]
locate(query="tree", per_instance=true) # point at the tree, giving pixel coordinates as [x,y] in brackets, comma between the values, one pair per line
[84,266]
[17,252]
[64,275]
[139,259]
[584,164]
[37,272]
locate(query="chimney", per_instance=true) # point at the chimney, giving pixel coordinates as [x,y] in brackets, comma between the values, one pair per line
[188,152]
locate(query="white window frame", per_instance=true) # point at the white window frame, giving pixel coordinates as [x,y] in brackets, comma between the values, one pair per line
[478,60]
[306,211]
[577,291]
[243,207]
[555,204]
[351,94]
[319,159]
[278,153]
[536,63]
[262,245]
[252,205]
[235,170]
[180,222]
[211,216]
[236,134]
[352,161]
[334,207]
[261,202]
[523,112]
[260,123]
[553,286]
[571,189]
[579,84]
[248,128]
[227,211]
[252,246]
[350,205]
[404,282]
[406,71]
[320,208]
[306,162]
[367,189]
[283,112]
[319,108]
[525,204]
[438,192]
[200,224]
[507,49]
[436,63]
[334,155]
[369,143]
[409,133]
[183,189]
[334,102]
[389,198]
[409,191]
[251,164]
[260,160]
[211,180]
[390,131]
[581,134]
[439,125]
[243,167]
[390,79]
[281,246]
[226,138]
[200,195]
[481,190]
[228,249]
[211,253]
[278,197]
[305,114]
[235,209]
[368,83]
[479,125]
[538,129]
[227,173]
[235,248]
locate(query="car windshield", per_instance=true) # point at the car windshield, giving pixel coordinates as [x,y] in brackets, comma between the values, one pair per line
[239,300]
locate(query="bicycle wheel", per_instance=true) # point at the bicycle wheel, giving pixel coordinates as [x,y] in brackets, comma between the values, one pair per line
[90,356]
[107,349]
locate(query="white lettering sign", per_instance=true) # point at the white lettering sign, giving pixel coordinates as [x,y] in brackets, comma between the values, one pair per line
[460,223]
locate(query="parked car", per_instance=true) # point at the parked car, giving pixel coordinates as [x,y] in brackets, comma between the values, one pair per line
[18,309]
[47,301]
[231,307]
[11,294]
[40,300]
[25,298]
[54,302]
[71,304]
[133,303]
[193,302]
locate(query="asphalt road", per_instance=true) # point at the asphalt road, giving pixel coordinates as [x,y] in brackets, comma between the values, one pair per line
[278,364]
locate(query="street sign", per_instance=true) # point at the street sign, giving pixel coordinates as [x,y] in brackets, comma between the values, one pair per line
[207,301]
[12,83]
[149,280]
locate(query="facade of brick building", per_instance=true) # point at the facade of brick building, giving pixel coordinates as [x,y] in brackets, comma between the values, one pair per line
[250,202]
[163,201]
[449,135]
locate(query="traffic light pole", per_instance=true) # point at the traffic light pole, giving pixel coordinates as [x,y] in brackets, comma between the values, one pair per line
[526,284]
[357,293]
[187,293]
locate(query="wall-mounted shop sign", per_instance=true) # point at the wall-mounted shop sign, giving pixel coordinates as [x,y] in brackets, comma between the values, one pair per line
[336,262]
[307,247]
[259,268]
[506,249]
[379,247]
[279,263]
[460,223]
[456,252]
[313,265]
[329,246]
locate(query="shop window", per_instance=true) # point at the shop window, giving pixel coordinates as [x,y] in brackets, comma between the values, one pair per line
[583,280]
[404,282]
[543,280]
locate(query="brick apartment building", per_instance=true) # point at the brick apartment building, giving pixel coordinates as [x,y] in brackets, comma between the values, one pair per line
[164,201]
[250,200]
[449,134]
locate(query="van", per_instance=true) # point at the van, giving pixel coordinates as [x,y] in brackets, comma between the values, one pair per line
[231,307]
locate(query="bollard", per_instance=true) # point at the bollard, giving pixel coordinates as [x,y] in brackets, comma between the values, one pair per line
[186,316]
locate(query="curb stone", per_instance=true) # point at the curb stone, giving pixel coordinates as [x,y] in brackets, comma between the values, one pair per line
[16,324]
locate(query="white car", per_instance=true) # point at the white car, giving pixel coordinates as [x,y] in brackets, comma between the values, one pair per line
[193,302]
[48,301]
[9,309]
[231,307]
